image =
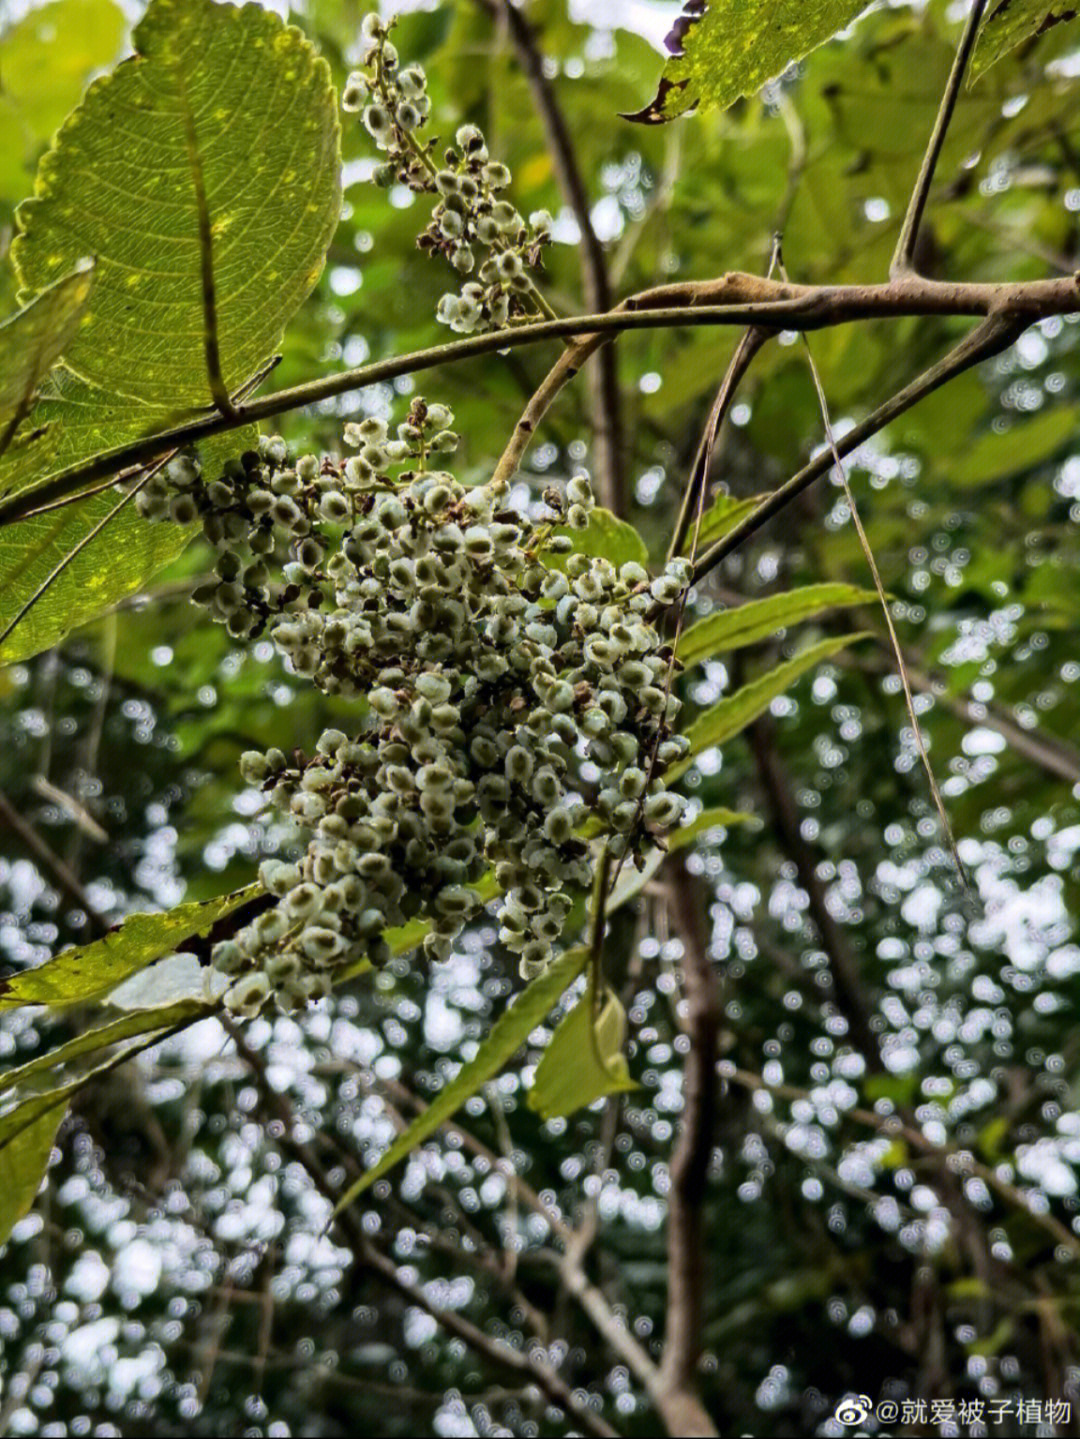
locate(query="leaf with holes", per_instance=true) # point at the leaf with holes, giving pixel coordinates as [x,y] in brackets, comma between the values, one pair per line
[1011,22]
[221,103]
[90,971]
[724,49]
[758,619]
[505,1038]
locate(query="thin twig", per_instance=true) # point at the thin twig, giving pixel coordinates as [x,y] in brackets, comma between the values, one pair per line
[278,1106]
[688,1170]
[596,286]
[995,334]
[44,853]
[883,599]
[693,496]
[904,257]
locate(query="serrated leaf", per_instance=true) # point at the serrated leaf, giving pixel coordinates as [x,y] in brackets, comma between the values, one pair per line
[584,1060]
[606,536]
[758,619]
[90,971]
[231,95]
[505,1038]
[1010,23]
[34,338]
[136,1022]
[43,79]
[725,719]
[23,1165]
[724,49]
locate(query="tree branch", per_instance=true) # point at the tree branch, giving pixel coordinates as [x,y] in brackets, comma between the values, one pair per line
[996,333]
[903,259]
[733,299]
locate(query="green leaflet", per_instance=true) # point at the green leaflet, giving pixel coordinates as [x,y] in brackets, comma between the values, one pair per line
[722,516]
[728,716]
[120,183]
[23,1163]
[34,338]
[707,820]
[131,1024]
[90,971]
[117,562]
[757,620]
[43,79]
[1028,442]
[506,1036]
[607,536]
[584,1061]
[1010,23]
[724,49]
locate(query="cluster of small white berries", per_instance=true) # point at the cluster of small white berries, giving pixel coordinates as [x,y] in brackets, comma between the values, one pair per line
[515,690]
[471,225]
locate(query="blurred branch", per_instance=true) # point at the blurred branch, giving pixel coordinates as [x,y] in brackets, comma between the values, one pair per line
[276,1106]
[700,1013]
[54,866]
[850,997]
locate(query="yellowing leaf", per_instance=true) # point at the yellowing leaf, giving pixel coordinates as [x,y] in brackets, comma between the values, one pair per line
[90,971]
[23,1163]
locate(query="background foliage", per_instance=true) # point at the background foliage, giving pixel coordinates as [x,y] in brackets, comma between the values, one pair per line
[177,1275]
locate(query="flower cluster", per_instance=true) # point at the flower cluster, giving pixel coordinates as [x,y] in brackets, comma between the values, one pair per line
[516,697]
[472,225]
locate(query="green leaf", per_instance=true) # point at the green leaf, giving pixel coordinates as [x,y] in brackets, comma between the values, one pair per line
[709,819]
[606,536]
[118,562]
[90,971]
[1027,443]
[1010,23]
[728,717]
[135,1022]
[34,338]
[757,620]
[23,1164]
[506,1036]
[722,516]
[229,96]
[104,567]
[48,58]
[735,46]
[584,1061]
